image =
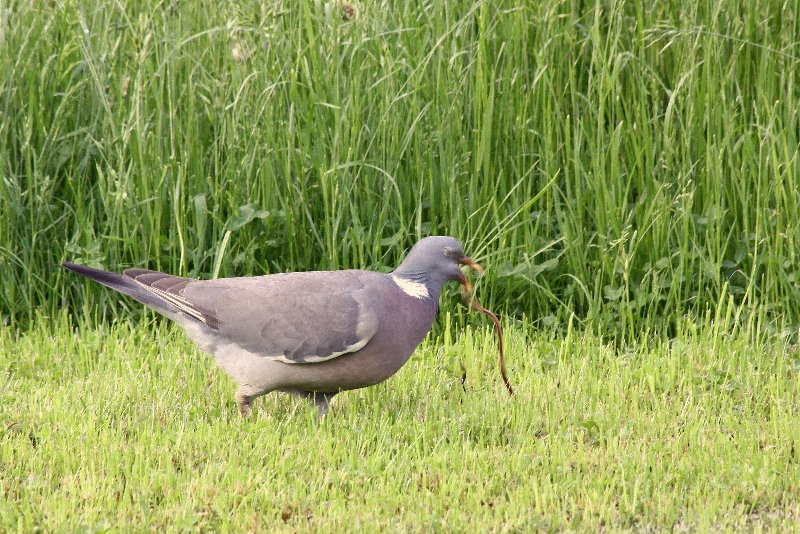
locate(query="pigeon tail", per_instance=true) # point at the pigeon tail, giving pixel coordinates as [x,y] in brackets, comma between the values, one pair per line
[123,284]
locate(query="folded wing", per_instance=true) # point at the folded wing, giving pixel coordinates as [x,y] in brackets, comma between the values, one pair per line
[295,318]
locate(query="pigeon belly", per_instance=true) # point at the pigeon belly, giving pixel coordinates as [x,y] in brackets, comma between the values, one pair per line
[405,320]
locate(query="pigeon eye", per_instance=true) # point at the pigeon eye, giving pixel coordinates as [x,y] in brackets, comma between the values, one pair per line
[450,252]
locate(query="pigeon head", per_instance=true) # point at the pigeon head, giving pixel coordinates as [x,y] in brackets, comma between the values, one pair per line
[434,261]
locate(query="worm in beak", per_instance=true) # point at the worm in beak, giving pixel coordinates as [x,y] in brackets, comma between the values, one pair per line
[469,300]
[470,263]
[466,288]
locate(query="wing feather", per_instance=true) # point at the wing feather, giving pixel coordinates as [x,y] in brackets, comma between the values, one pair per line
[295,318]
[170,288]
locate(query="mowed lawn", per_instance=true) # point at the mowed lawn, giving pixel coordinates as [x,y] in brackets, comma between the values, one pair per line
[128,427]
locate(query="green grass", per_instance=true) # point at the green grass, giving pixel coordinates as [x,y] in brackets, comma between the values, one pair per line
[129,428]
[619,163]
[628,172]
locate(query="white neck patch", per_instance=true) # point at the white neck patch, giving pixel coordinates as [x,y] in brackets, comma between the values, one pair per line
[411,288]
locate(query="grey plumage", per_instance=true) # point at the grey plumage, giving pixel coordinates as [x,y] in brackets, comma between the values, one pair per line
[312,334]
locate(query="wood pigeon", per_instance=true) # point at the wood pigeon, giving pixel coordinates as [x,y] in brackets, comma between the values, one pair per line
[312,334]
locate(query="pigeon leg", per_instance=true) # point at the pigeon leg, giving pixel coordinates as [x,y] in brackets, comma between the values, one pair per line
[244,398]
[321,400]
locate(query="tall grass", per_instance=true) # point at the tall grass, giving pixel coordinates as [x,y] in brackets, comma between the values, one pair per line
[621,164]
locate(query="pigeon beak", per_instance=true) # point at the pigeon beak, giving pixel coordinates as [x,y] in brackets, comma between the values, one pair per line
[466,288]
[470,263]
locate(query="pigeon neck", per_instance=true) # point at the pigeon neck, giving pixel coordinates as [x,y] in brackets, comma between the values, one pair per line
[417,284]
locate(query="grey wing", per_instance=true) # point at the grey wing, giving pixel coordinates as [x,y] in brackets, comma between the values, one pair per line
[170,288]
[294,318]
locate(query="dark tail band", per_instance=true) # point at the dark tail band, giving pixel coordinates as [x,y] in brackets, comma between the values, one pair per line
[123,284]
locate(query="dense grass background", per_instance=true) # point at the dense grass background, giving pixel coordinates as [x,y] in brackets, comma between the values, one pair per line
[628,172]
[628,162]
